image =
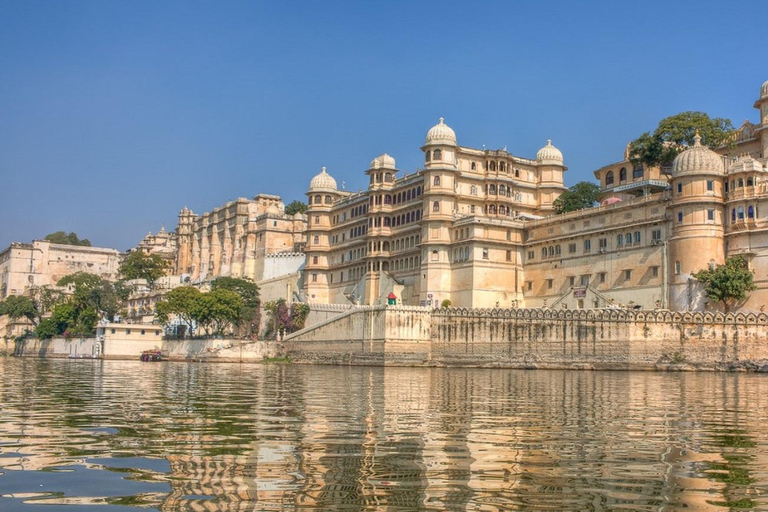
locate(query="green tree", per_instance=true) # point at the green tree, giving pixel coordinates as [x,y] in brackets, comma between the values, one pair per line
[60,237]
[45,299]
[19,306]
[91,292]
[216,310]
[728,284]
[247,321]
[295,207]
[139,265]
[675,133]
[180,303]
[581,195]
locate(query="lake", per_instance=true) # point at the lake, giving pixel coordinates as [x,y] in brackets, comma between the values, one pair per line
[124,435]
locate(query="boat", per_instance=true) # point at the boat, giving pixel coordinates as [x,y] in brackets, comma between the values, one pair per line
[151,355]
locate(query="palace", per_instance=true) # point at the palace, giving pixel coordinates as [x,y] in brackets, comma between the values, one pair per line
[477,227]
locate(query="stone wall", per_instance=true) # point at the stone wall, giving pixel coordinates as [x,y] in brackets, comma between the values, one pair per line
[536,338]
[219,350]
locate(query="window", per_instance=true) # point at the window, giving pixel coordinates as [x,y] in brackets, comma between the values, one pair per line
[316,240]
[571,281]
[602,243]
[623,174]
[314,278]
[127,331]
[655,271]
[750,212]
[473,189]
[627,275]
[543,252]
[637,172]
[314,260]
[587,245]
[679,188]
[509,234]
[531,255]
[113,331]
[571,248]
[585,280]
[428,156]
[436,206]
[436,181]
[656,234]
[530,285]
[557,250]
[637,237]
[740,213]
[509,255]
[437,154]
[473,166]
[711,214]
[710,185]
[435,256]
[609,178]
[485,253]
[679,216]
[619,240]
[677,268]
[602,277]
[143,332]
[472,209]
[550,283]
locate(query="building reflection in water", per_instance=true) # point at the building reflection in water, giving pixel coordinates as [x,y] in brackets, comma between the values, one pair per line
[288,437]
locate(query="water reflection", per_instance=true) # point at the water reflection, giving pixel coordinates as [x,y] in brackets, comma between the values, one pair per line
[124,435]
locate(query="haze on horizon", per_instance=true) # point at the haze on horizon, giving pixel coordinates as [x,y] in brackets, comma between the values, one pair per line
[115,115]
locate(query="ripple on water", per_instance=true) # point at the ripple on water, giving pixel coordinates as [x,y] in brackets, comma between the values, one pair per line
[282,437]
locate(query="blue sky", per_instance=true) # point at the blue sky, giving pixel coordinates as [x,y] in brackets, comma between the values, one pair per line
[116,114]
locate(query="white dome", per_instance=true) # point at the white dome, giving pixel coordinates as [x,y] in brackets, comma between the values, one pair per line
[745,164]
[697,159]
[764,90]
[441,133]
[549,155]
[323,181]
[383,162]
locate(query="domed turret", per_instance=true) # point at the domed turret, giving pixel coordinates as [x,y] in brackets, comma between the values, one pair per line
[323,182]
[441,133]
[549,155]
[273,210]
[764,90]
[696,160]
[383,162]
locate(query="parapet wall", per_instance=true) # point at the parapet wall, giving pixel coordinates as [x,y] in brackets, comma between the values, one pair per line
[536,338]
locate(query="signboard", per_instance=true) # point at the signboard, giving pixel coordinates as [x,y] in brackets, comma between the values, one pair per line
[579,293]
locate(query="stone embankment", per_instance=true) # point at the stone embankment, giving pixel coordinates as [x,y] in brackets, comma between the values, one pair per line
[213,350]
[607,339]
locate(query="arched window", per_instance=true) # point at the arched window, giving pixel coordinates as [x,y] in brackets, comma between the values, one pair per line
[408,195]
[733,215]
[428,156]
[418,191]
[517,173]
[637,237]
[750,182]
[740,213]
[543,252]
[492,209]
[436,206]
[387,222]
[388,177]
[741,182]
[473,166]
[328,200]
[502,209]
[557,250]
[502,190]
[473,190]
[623,174]
[316,240]
[628,238]
[492,166]
[609,178]
[437,154]
[492,190]
[378,178]
[751,212]
[436,181]
[318,199]
[309,200]
[551,251]
[387,199]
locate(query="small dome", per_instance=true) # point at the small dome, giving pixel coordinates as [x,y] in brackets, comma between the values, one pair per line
[299,216]
[273,210]
[323,181]
[383,162]
[764,90]
[549,155]
[441,133]
[745,164]
[697,159]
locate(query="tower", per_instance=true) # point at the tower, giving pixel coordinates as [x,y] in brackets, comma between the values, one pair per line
[697,223]
[762,131]
[320,197]
[184,230]
[550,176]
[439,173]
[381,174]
